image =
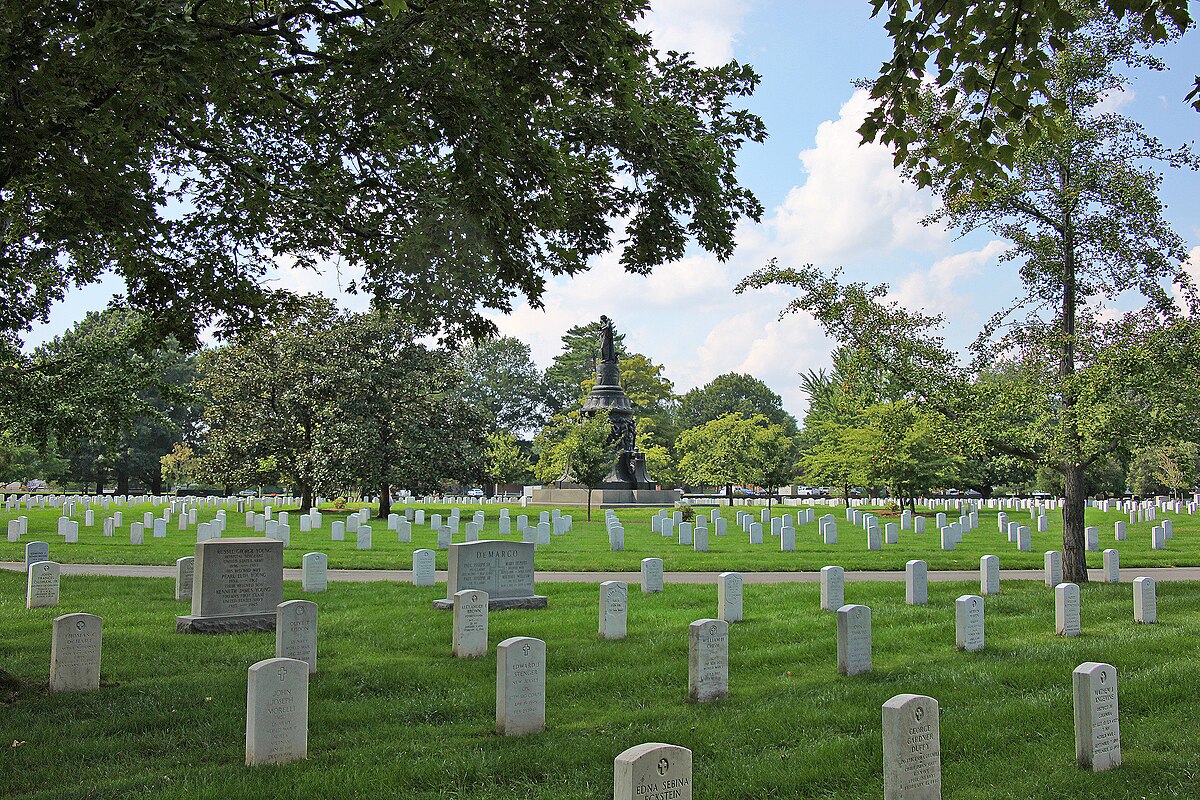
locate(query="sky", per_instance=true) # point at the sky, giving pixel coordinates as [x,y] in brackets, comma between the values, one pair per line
[828,200]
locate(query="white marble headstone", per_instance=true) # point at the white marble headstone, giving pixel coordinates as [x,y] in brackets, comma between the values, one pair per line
[276,712]
[1097,725]
[75,653]
[520,686]
[708,660]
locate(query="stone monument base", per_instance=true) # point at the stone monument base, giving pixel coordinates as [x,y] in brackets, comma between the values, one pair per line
[229,623]
[501,603]
[555,496]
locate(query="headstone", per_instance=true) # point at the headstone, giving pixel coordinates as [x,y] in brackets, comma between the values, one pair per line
[338,530]
[363,537]
[833,588]
[989,575]
[614,600]
[75,653]
[1091,536]
[1158,538]
[916,583]
[652,575]
[1097,723]
[918,524]
[891,533]
[236,586]
[708,660]
[1023,541]
[685,533]
[968,623]
[41,585]
[1053,568]
[853,639]
[756,533]
[296,632]
[35,552]
[470,632]
[653,771]
[423,562]
[874,542]
[949,542]
[185,568]
[1145,604]
[729,597]
[314,572]
[1066,609]
[276,712]
[700,539]
[502,569]
[520,686]
[404,531]
[1112,566]
[912,748]
[136,533]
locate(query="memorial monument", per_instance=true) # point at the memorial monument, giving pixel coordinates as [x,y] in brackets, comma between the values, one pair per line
[627,483]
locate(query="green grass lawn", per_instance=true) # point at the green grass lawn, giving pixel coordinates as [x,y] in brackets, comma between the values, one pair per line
[392,715]
[586,548]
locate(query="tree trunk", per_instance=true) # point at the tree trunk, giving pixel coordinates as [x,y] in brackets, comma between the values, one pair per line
[306,499]
[846,494]
[385,501]
[122,481]
[589,519]
[1074,488]
[1074,554]
[729,493]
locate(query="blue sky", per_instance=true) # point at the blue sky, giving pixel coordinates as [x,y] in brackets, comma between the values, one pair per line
[828,201]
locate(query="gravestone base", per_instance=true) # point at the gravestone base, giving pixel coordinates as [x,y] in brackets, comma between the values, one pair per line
[531,603]
[227,623]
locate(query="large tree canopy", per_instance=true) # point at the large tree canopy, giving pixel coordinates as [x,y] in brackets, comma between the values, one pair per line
[452,154]
[998,58]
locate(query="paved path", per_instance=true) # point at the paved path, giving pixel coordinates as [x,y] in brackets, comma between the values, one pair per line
[404,575]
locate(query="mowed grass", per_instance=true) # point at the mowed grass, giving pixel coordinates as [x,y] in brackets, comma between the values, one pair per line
[586,548]
[392,715]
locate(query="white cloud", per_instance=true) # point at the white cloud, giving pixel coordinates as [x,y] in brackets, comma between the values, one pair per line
[938,289]
[328,278]
[1192,268]
[1114,101]
[705,28]
[853,201]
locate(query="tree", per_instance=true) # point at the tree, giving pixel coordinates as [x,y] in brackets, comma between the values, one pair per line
[733,449]
[455,154]
[270,393]
[112,398]
[179,465]
[998,59]
[501,379]
[506,461]
[588,454]
[1086,224]
[400,416]
[733,393]
[1162,468]
[909,451]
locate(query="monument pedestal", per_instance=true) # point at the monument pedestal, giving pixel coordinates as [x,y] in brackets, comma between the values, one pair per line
[228,623]
[531,603]
[236,586]
[569,495]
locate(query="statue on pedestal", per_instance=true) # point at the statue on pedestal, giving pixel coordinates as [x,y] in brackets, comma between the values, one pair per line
[629,469]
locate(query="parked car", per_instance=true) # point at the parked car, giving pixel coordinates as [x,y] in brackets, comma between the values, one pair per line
[475,492]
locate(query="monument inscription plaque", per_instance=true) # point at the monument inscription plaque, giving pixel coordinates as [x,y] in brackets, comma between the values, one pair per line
[502,569]
[237,584]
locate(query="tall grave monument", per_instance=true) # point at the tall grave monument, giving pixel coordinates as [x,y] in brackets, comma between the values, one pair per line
[627,483]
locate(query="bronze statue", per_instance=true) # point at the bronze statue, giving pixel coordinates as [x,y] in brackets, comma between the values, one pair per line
[608,351]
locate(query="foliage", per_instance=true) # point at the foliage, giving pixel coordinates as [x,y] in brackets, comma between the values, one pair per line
[501,379]
[506,461]
[551,463]
[452,155]
[735,449]
[588,454]
[996,63]
[108,399]
[733,393]
[1164,468]
[179,465]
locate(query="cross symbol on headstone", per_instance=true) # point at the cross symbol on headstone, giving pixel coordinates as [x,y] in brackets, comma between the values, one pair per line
[663,766]
[282,673]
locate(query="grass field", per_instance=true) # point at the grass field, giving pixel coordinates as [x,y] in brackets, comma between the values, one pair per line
[586,547]
[392,715]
